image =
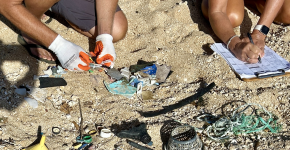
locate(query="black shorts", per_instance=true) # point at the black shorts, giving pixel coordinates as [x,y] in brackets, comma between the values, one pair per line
[82,13]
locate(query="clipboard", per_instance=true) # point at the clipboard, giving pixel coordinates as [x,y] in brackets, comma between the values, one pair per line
[272,64]
[265,76]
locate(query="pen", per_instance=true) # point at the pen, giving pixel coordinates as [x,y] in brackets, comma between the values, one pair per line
[250,37]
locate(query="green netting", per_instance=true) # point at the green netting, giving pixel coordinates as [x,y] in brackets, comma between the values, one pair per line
[241,123]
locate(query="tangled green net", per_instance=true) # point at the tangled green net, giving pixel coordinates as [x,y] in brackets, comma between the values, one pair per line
[240,123]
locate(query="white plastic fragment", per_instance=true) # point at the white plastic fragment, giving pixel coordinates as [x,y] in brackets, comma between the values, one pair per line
[48,71]
[139,88]
[60,70]
[125,72]
[20,91]
[32,102]
[105,133]
[38,94]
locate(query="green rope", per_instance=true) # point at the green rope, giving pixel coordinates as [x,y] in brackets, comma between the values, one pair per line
[240,123]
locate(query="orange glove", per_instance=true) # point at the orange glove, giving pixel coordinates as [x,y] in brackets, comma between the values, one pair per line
[86,59]
[104,50]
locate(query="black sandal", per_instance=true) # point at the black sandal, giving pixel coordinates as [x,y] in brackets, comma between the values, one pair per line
[27,46]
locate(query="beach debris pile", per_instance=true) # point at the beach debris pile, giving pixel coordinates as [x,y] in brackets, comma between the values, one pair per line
[129,81]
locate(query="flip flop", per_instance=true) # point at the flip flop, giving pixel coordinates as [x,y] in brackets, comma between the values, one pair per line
[27,46]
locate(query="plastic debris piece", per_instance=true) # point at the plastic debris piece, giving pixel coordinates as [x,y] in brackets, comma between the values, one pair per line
[51,82]
[39,146]
[77,145]
[151,70]
[85,146]
[85,139]
[125,73]
[162,72]
[137,133]
[92,132]
[140,65]
[55,130]
[121,88]
[105,133]
[48,71]
[20,91]
[54,70]
[145,81]
[146,95]
[134,82]
[60,70]
[38,94]
[114,73]
[139,88]
[95,66]
[32,102]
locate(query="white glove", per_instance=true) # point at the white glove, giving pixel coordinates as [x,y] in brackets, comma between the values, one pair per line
[105,50]
[70,55]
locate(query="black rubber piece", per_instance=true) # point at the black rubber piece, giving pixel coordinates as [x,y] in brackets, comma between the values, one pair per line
[137,133]
[51,82]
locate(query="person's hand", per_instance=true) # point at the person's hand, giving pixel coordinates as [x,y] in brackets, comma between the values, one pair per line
[104,50]
[259,41]
[70,55]
[246,51]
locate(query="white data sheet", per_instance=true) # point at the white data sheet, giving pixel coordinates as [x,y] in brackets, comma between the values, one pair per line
[271,63]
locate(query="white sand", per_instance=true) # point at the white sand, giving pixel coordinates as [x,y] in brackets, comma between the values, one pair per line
[170,32]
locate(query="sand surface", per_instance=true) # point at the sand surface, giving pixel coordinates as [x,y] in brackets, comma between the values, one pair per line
[171,32]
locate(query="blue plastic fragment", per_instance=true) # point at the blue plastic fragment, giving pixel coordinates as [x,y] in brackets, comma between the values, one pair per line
[151,70]
[150,143]
[134,82]
[121,88]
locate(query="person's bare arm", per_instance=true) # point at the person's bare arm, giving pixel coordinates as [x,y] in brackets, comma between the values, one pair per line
[105,15]
[222,27]
[18,15]
[271,10]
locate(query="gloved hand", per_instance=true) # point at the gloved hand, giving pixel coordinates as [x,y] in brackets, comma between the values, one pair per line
[104,50]
[71,56]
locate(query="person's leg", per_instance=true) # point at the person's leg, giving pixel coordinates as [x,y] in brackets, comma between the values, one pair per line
[38,8]
[235,11]
[120,27]
[284,14]
[81,15]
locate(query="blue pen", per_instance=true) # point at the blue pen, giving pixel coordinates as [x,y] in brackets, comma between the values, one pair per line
[250,37]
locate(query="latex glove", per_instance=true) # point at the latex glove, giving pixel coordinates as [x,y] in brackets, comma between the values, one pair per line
[104,50]
[70,55]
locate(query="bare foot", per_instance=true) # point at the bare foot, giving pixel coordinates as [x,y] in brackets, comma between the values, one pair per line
[40,52]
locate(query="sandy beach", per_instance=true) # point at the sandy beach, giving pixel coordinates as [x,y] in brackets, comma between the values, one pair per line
[171,32]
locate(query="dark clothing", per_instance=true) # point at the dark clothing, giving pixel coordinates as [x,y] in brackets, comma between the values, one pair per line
[82,13]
